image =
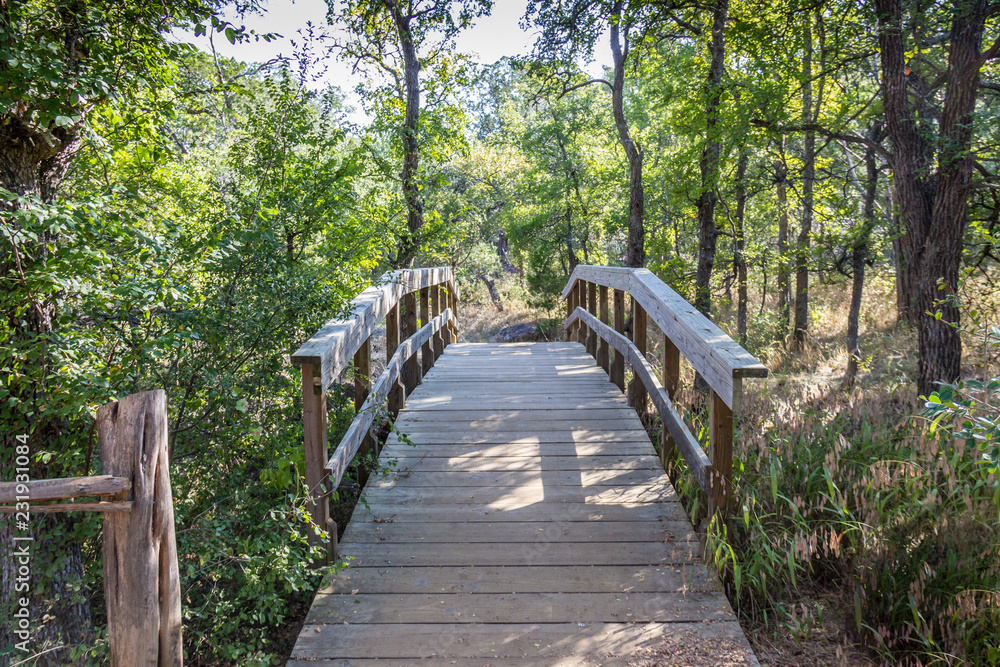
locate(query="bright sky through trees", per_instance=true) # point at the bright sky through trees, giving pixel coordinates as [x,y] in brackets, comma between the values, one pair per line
[493,37]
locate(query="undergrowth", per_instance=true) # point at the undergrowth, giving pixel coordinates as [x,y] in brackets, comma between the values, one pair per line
[855,495]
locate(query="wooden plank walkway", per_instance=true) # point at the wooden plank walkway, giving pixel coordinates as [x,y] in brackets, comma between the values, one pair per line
[531,524]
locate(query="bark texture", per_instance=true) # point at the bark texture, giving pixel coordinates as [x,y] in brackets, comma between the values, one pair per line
[410,243]
[635,253]
[933,203]
[709,164]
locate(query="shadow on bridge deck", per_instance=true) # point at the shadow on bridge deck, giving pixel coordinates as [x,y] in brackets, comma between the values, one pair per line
[532,524]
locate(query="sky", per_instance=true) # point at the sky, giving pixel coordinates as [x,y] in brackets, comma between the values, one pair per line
[491,38]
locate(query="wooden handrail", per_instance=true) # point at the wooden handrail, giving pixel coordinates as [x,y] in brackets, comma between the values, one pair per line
[689,446]
[356,432]
[325,356]
[63,488]
[330,350]
[717,357]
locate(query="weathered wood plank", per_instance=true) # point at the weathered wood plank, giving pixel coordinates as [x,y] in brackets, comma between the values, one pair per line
[502,498]
[415,474]
[557,643]
[518,607]
[37,490]
[514,532]
[499,554]
[533,579]
[552,512]
[416,461]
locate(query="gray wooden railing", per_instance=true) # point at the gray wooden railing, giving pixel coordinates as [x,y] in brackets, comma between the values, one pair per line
[718,359]
[329,352]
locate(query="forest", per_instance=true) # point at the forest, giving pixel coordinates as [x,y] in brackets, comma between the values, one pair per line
[819,177]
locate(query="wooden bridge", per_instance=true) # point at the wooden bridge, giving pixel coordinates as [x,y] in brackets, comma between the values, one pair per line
[528,519]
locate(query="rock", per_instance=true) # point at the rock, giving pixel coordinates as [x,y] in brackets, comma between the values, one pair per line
[520,333]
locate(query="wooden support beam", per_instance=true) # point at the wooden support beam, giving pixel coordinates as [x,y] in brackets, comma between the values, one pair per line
[314,432]
[453,322]
[570,307]
[671,380]
[603,359]
[618,365]
[447,333]
[411,374]
[362,387]
[592,309]
[437,342]
[141,579]
[637,391]
[397,393]
[721,443]
[38,490]
[581,302]
[61,508]
[426,354]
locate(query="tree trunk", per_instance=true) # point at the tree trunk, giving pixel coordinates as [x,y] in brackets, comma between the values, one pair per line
[709,164]
[739,257]
[784,310]
[635,254]
[410,242]
[801,327]
[933,206]
[859,255]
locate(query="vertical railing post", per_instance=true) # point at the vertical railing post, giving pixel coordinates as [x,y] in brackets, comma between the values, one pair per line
[426,354]
[409,328]
[362,387]
[453,301]
[637,390]
[397,395]
[618,365]
[314,435]
[720,435]
[446,332]
[437,342]
[581,301]
[570,307]
[671,380]
[592,309]
[141,579]
[602,345]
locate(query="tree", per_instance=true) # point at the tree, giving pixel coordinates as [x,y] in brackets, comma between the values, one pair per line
[396,38]
[929,120]
[710,159]
[571,32]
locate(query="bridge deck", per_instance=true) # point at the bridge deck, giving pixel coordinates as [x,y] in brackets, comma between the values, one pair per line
[531,524]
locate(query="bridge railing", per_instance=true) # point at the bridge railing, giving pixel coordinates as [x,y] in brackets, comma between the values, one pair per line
[399,298]
[718,359]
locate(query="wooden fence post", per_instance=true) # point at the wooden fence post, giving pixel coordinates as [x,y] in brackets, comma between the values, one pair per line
[397,395]
[426,354]
[570,307]
[141,581]
[618,365]
[446,332]
[581,302]
[602,345]
[592,309]
[437,340]
[720,418]
[636,390]
[453,301]
[409,328]
[316,456]
[671,380]
[362,387]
